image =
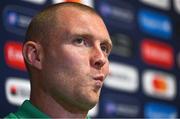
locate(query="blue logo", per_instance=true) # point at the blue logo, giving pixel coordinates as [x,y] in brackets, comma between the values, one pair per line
[16,19]
[119,15]
[118,106]
[155,24]
[12,18]
[158,110]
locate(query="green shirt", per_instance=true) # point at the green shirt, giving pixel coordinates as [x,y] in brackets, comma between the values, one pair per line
[27,110]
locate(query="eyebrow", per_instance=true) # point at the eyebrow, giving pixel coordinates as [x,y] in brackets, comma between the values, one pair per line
[87,35]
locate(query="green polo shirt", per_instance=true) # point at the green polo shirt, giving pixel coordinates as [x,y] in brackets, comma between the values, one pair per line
[27,110]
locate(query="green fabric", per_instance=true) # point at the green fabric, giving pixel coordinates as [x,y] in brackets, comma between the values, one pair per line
[27,110]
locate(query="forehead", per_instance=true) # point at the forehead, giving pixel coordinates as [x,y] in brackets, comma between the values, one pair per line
[75,21]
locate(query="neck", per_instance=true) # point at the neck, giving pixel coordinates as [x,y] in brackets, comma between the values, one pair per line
[54,109]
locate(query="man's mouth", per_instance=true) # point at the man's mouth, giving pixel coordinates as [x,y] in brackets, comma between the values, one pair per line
[99,81]
[99,78]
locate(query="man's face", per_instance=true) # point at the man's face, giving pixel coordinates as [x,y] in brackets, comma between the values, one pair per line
[75,61]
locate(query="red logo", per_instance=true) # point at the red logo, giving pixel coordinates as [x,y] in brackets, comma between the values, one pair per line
[159,84]
[17,90]
[13,55]
[13,90]
[157,54]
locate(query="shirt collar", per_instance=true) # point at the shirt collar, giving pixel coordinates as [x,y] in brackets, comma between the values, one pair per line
[27,110]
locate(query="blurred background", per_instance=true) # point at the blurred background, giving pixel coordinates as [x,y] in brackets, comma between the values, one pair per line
[144,64]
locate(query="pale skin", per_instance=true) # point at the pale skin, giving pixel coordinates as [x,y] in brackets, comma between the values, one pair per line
[69,71]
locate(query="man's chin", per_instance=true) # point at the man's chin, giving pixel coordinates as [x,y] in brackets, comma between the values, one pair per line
[92,103]
[89,100]
[89,103]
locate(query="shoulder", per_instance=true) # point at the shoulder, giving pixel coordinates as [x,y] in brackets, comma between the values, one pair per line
[11,115]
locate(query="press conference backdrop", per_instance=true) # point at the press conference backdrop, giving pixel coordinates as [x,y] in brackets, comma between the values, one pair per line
[144,64]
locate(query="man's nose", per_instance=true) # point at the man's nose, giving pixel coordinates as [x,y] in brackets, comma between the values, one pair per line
[98,59]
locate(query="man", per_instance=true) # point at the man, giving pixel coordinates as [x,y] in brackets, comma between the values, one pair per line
[66,53]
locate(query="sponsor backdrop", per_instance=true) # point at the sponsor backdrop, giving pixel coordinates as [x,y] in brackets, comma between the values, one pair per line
[144,64]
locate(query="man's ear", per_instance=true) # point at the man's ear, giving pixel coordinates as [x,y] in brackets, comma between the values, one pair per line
[32,53]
